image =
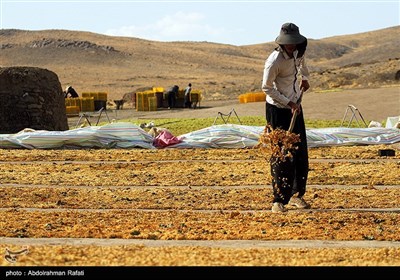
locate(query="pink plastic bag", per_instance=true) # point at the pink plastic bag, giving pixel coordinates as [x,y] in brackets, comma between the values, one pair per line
[164,139]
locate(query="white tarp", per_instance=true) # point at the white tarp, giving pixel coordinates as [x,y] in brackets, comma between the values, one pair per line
[128,135]
[221,136]
[352,136]
[115,135]
[391,122]
[241,136]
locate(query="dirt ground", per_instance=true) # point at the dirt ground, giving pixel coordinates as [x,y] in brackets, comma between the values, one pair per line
[372,104]
[135,208]
[203,207]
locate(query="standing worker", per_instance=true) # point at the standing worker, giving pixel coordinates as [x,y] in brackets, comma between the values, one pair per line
[70,92]
[172,94]
[187,97]
[285,79]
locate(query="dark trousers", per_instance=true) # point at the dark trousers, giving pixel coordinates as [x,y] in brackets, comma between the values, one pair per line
[290,176]
[187,102]
[171,100]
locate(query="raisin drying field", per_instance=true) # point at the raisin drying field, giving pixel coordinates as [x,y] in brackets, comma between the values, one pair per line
[197,207]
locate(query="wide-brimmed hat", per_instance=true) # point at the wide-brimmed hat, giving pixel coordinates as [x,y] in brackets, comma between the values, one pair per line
[289,35]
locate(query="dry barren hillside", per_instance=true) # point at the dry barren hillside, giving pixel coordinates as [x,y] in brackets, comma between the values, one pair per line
[121,65]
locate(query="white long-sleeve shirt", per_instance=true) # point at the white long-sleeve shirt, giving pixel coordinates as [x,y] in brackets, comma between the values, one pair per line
[281,78]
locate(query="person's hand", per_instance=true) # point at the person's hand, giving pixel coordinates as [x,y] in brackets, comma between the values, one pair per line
[304,86]
[296,108]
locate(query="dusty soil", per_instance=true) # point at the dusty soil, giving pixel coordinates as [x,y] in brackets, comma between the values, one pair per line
[180,207]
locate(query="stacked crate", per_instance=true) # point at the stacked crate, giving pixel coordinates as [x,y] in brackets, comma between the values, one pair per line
[180,98]
[158,89]
[80,104]
[159,92]
[96,95]
[87,104]
[99,99]
[252,97]
[195,97]
[152,103]
[146,101]
[73,102]
[72,110]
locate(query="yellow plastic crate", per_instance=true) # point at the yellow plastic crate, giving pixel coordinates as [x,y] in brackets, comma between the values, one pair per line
[152,100]
[139,101]
[87,104]
[102,96]
[242,98]
[195,96]
[96,95]
[73,102]
[259,96]
[142,100]
[181,94]
[252,97]
[72,110]
[87,94]
[84,103]
[158,89]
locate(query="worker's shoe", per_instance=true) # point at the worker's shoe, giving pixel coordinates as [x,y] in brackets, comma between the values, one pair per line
[299,203]
[278,207]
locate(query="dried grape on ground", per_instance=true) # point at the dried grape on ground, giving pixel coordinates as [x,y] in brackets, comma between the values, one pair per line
[208,195]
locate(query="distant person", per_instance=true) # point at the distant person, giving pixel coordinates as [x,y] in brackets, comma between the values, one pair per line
[285,79]
[172,94]
[187,97]
[70,92]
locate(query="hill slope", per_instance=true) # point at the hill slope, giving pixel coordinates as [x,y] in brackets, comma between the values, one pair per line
[121,65]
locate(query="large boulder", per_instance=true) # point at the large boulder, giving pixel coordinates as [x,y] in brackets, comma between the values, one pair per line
[31,97]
